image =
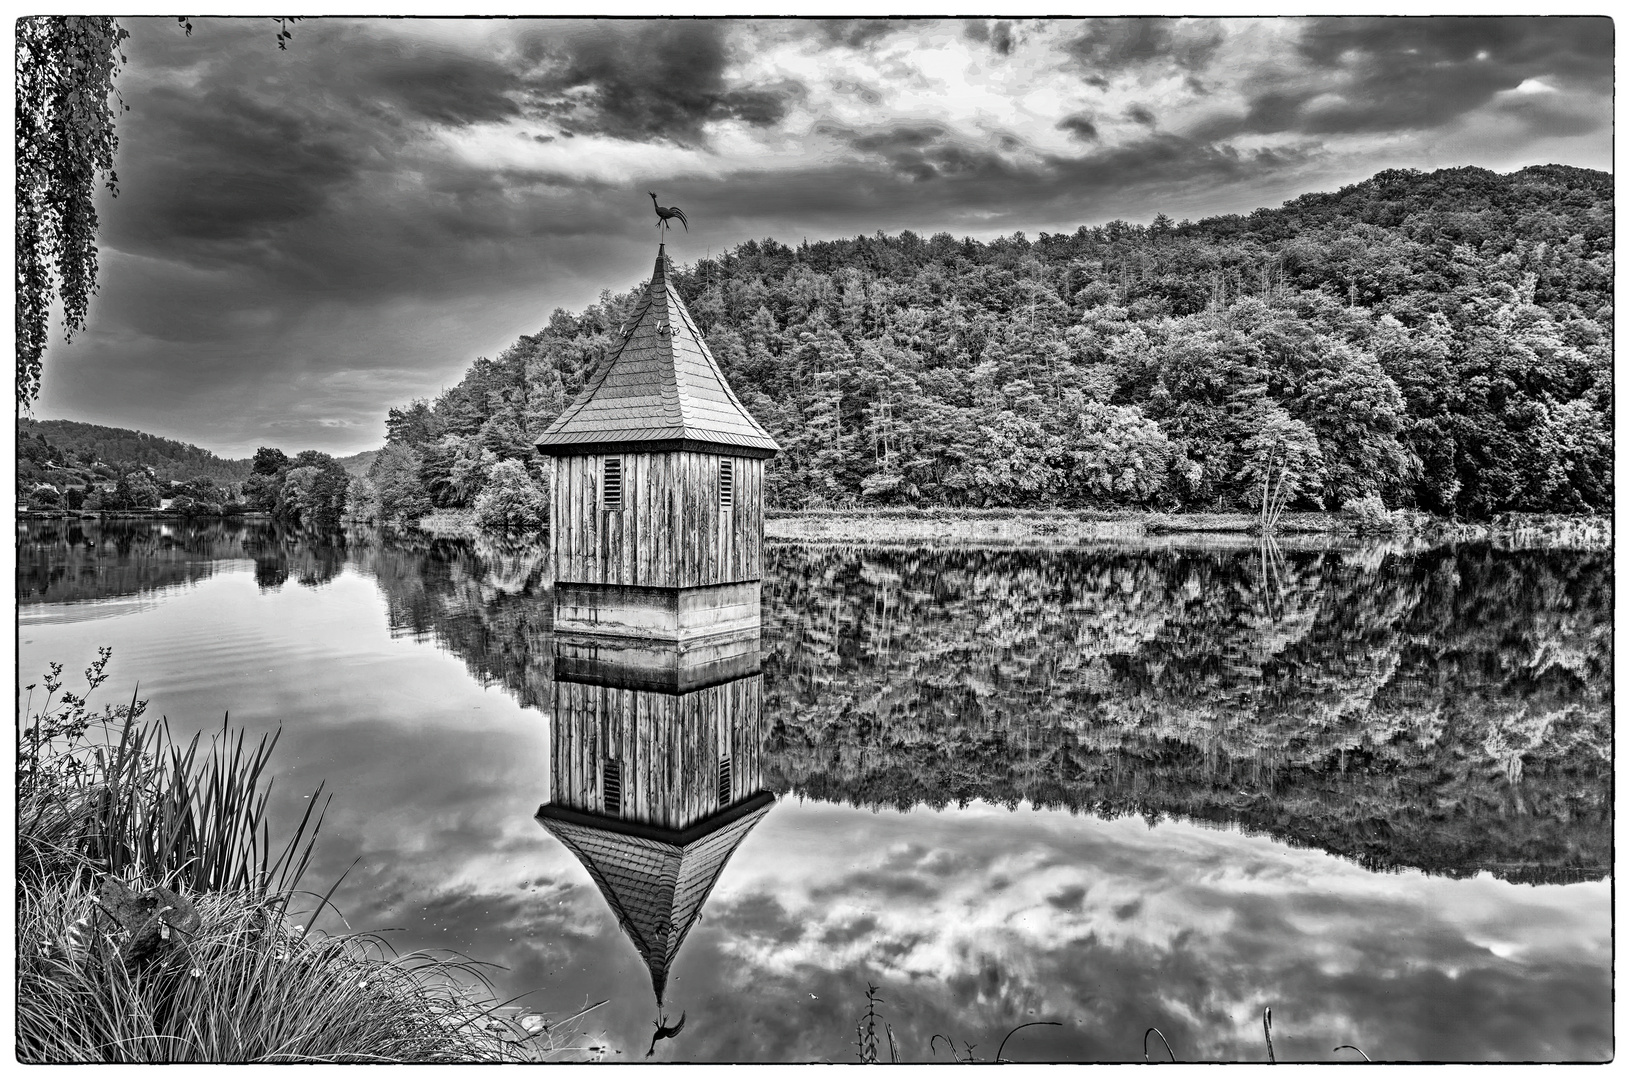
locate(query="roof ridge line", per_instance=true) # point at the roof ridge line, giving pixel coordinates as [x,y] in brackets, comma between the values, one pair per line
[672,393]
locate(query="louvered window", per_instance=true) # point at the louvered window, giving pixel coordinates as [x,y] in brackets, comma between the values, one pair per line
[611,779]
[611,485]
[724,781]
[727,483]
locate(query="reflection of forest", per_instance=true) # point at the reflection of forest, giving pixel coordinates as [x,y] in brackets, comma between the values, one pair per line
[68,561]
[1446,709]
[484,600]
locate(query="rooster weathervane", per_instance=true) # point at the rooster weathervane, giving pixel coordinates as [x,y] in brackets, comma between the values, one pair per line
[666,212]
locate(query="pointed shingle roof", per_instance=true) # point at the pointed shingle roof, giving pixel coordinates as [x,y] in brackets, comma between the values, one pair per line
[655,880]
[659,389]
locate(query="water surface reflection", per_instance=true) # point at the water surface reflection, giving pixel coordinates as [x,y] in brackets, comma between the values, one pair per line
[1112,787]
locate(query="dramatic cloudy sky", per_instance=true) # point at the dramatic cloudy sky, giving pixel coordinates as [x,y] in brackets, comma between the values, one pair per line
[304,238]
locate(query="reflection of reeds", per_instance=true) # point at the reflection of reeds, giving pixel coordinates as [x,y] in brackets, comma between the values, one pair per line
[868,1042]
[1021,1027]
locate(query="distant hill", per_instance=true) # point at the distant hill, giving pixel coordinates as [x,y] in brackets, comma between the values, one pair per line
[90,443]
[358,464]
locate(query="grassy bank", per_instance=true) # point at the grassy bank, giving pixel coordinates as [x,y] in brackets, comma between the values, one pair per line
[158,920]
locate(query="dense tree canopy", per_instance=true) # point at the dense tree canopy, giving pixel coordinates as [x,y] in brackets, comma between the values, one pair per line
[1435,340]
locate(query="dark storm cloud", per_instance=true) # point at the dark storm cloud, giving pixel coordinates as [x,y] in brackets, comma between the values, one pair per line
[1114,45]
[448,88]
[922,152]
[313,175]
[855,33]
[998,35]
[1574,45]
[1392,74]
[1141,115]
[221,165]
[894,164]
[650,80]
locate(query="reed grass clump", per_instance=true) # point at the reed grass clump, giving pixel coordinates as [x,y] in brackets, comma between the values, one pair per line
[128,837]
[247,986]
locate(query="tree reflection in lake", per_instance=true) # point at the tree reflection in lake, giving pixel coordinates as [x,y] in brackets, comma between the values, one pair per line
[1448,710]
[71,560]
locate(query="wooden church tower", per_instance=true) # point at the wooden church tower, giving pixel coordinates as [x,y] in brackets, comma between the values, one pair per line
[657,497]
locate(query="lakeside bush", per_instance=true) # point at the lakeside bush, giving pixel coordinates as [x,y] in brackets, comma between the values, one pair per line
[154,919]
[1369,516]
[511,497]
[248,986]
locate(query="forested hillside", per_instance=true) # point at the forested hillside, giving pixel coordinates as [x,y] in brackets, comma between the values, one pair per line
[67,465]
[66,444]
[1440,341]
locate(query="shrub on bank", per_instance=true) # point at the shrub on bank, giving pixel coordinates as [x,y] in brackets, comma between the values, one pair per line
[510,498]
[1369,516]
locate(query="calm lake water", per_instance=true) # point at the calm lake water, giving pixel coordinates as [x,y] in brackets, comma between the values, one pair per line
[1115,787]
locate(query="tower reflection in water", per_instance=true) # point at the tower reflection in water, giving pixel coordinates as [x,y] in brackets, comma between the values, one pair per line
[656,776]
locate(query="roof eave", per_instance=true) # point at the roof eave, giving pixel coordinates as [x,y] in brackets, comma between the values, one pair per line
[672,444]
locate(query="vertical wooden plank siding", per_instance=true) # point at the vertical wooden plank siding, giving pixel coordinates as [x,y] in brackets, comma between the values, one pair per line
[671,531]
[639,527]
[669,574]
[587,497]
[754,525]
[596,519]
[576,501]
[692,570]
[568,532]
[557,516]
[670,747]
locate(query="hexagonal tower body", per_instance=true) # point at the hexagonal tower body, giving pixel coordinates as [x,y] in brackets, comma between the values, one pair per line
[657,496]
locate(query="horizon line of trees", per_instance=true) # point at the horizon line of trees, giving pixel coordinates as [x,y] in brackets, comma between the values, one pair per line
[1435,341]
